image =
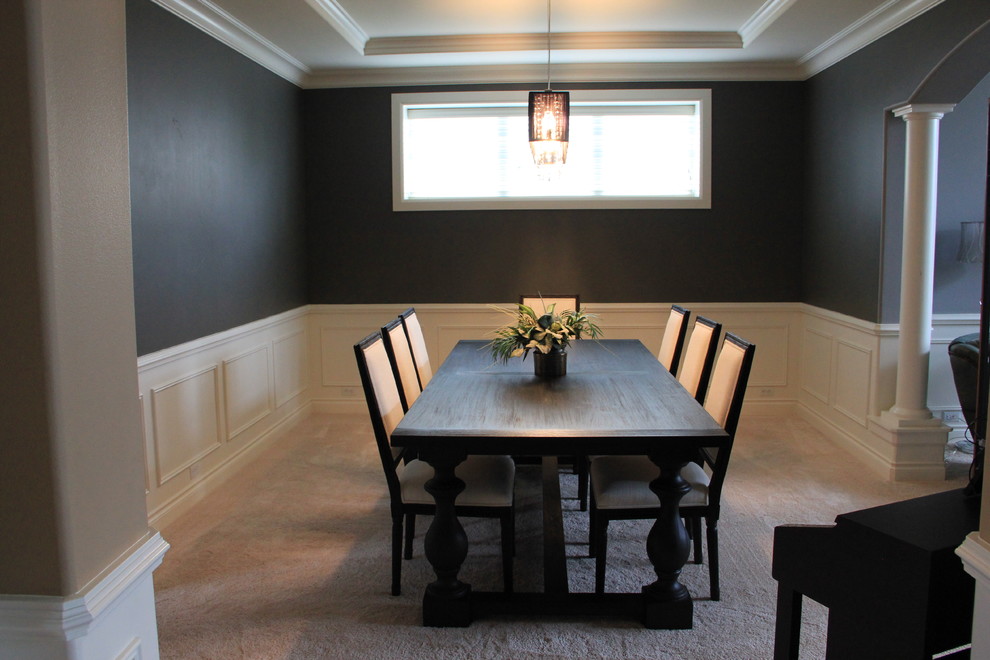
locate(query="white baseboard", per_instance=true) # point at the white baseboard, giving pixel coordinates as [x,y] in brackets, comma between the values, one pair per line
[113,618]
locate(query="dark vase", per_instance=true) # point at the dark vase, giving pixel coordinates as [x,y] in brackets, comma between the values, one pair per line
[550,365]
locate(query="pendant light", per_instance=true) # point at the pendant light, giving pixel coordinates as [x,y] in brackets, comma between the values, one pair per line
[549,122]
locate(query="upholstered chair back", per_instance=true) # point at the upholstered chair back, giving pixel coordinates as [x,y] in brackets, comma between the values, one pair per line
[403,366]
[673,338]
[417,343]
[699,356]
[381,393]
[561,303]
[728,383]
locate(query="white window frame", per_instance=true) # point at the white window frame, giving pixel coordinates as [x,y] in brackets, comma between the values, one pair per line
[400,103]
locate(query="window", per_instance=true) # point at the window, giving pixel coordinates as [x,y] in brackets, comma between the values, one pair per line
[628,149]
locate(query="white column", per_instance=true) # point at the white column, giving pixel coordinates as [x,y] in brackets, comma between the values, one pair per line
[917,266]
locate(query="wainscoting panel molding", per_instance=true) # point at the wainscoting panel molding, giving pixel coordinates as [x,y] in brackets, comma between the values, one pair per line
[248,389]
[853,378]
[186,424]
[816,363]
[291,367]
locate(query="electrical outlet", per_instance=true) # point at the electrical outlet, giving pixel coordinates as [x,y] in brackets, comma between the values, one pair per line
[766,391]
[195,470]
[953,418]
[348,392]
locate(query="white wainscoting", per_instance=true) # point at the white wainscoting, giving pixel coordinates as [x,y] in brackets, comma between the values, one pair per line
[773,386]
[848,376]
[209,404]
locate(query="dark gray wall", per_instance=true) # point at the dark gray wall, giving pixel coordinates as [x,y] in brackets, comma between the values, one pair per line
[215,183]
[851,259]
[746,248]
[961,197]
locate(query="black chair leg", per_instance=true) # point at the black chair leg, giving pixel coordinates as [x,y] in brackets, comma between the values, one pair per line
[712,525]
[396,555]
[601,543]
[508,550]
[592,525]
[410,534]
[581,467]
[696,536]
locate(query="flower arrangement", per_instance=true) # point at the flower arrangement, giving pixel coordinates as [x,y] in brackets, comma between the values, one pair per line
[548,332]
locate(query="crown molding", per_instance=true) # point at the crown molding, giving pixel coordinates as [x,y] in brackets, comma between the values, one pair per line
[763,18]
[486,43]
[341,21]
[226,29]
[883,20]
[216,22]
[535,74]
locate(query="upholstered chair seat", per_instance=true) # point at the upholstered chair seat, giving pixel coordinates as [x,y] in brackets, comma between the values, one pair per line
[623,482]
[488,481]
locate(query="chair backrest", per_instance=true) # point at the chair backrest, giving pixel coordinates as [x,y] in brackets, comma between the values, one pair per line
[673,338]
[561,302]
[699,357]
[403,366]
[414,331]
[728,383]
[724,403]
[384,405]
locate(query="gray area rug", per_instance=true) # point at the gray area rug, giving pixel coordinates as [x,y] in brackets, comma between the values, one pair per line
[290,558]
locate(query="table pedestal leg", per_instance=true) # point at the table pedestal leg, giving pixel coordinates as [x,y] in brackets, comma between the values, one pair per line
[668,603]
[447,601]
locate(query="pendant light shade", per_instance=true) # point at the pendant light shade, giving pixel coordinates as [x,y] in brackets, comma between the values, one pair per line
[549,122]
[549,127]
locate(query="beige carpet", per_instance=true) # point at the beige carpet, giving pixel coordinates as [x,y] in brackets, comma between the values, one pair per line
[290,559]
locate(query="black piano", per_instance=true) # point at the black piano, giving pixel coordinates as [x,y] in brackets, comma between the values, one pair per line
[889,576]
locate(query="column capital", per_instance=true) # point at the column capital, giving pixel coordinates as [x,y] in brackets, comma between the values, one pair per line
[930,110]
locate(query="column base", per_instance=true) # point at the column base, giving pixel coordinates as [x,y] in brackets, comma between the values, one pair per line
[914,448]
[908,419]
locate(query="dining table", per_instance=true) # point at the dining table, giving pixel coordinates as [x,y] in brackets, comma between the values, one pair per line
[615,398]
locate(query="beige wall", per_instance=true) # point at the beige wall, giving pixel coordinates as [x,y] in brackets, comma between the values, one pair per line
[27,516]
[72,500]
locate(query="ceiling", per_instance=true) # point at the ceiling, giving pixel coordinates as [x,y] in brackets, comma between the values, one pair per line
[344,43]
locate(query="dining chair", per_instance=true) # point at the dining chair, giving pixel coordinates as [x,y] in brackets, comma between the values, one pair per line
[417,344]
[673,338]
[561,302]
[399,352]
[620,485]
[699,357]
[489,480]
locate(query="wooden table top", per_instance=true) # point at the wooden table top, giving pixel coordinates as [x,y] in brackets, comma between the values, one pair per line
[615,399]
